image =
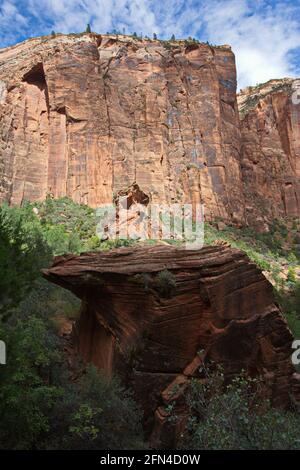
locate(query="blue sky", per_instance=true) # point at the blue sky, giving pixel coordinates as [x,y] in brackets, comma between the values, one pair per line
[264,34]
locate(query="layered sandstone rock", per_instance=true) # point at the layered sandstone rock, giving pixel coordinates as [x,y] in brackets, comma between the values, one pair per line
[92,116]
[89,116]
[156,314]
[270,132]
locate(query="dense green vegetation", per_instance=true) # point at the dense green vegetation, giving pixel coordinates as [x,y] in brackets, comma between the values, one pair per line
[234,417]
[20,241]
[41,408]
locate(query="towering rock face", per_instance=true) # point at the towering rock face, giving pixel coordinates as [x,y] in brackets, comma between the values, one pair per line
[270,132]
[157,314]
[92,116]
[88,116]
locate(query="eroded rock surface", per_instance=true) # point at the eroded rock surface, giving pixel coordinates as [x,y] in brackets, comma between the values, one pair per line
[270,130]
[88,116]
[156,314]
[91,116]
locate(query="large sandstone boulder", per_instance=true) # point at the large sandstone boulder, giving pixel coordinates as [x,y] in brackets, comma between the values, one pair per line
[156,315]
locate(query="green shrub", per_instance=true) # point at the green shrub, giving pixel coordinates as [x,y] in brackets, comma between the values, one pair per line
[39,406]
[23,252]
[291,277]
[143,279]
[235,417]
[73,218]
[26,392]
[289,301]
[98,413]
[165,283]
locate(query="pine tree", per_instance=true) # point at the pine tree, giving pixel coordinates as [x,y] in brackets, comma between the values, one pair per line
[154,36]
[88,28]
[173,37]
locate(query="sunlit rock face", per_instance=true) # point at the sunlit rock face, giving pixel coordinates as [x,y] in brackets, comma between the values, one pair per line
[88,116]
[270,132]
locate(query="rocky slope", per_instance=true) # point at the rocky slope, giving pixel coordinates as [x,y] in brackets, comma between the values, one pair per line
[270,156]
[88,115]
[157,315]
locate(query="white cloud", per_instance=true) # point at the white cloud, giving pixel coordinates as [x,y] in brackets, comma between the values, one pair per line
[261,37]
[146,16]
[10,21]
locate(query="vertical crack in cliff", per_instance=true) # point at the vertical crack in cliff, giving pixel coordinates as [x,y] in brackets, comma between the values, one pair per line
[225,201]
[196,138]
[67,132]
[105,75]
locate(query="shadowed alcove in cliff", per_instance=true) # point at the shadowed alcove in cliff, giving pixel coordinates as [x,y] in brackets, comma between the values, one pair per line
[36,76]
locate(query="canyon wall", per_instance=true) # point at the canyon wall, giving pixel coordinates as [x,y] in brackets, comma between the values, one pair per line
[88,116]
[270,154]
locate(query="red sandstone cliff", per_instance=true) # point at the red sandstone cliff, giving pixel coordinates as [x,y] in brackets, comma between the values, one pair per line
[87,116]
[270,133]
[150,324]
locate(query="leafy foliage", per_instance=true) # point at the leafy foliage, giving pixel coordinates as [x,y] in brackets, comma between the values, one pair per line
[98,413]
[290,303]
[32,234]
[26,390]
[39,407]
[23,252]
[165,283]
[67,226]
[234,417]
